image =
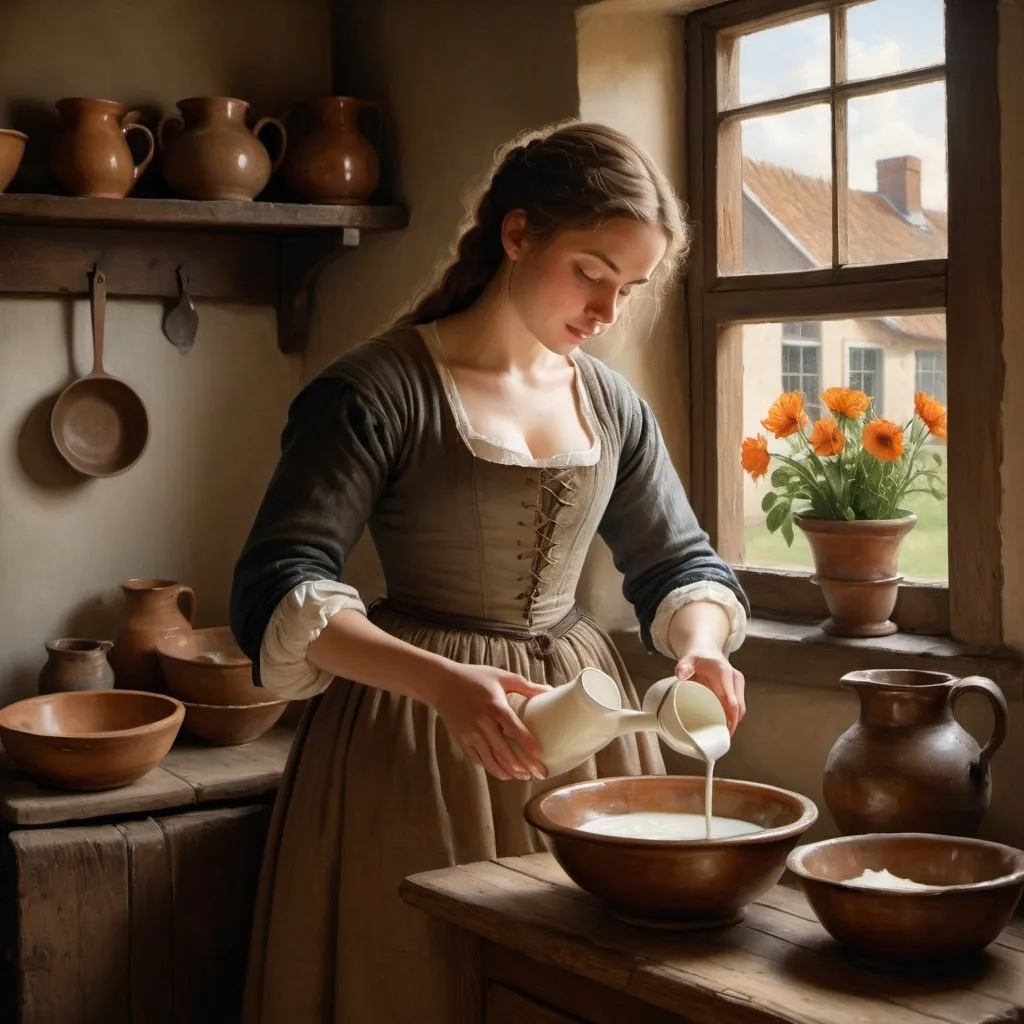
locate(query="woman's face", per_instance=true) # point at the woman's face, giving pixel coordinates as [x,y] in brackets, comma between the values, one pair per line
[576,286]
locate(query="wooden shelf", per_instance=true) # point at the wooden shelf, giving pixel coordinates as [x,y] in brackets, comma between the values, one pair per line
[259,252]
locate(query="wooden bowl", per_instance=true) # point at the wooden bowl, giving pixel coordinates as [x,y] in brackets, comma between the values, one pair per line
[226,725]
[206,666]
[977,886]
[90,740]
[12,149]
[674,884]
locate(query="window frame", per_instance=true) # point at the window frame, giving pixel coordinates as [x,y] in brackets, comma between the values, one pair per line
[966,286]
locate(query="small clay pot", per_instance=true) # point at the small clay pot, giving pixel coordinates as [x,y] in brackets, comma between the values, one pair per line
[226,725]
[855,564]
[73,665]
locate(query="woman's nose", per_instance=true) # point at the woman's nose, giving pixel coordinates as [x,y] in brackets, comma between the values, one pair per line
[603,309]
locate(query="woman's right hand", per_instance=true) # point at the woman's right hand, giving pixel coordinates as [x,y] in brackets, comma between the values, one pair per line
[472,703]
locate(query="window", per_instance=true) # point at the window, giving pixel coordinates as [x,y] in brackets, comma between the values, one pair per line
[801,350]
[930,373]
[832,211]
[865,372]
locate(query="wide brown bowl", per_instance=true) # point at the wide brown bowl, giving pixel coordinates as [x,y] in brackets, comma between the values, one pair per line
[977,886]
[90,740]
[206,666]
[666,883]
[226,725]
[12,149]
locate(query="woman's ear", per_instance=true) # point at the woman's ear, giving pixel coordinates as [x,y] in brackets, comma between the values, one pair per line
[514,238]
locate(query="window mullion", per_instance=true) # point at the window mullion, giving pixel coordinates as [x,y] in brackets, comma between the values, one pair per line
[840,164]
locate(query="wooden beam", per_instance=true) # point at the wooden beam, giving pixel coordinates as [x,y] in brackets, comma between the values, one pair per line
[974,325]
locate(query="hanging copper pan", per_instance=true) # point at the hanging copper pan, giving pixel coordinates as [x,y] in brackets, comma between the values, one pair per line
[99,423]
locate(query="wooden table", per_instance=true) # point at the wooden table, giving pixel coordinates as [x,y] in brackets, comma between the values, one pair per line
[536,949]
[134,906]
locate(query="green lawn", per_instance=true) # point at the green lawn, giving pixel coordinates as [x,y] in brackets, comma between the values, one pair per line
[923,555]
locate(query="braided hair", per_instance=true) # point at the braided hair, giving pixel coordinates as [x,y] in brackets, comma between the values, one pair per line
[571,175]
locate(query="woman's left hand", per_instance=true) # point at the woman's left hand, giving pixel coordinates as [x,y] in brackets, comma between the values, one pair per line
[710,667]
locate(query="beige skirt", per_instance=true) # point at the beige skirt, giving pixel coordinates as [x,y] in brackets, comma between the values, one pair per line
[374,791]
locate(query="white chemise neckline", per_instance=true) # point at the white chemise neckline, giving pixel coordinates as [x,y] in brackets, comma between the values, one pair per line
[491,450]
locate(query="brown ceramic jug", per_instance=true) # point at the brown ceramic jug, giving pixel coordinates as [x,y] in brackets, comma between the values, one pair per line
[212,154]
[73,664]
[90,156]
[152,611]
[332,162]
[907,765]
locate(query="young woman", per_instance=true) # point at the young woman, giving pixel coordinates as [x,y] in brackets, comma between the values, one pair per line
[484,450]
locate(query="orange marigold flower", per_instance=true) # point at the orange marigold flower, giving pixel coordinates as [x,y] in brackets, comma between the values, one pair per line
[786,416]
[827,438]
[883,439]
[754,456]
[846,401]
[932,413]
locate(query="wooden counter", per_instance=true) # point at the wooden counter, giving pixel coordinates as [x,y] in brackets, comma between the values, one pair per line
[134,905]
[539,950]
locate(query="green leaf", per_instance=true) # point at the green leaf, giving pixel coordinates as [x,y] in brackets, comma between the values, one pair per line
[777,515]
[768,500]
[848,514]
[787,530]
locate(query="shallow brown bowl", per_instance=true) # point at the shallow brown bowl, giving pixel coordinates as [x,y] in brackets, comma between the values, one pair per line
[12,149]
[978,885]
[206,666]
[226,725]
[98,739]
[668,883]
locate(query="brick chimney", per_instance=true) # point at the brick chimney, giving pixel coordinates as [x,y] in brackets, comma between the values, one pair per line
[899,180]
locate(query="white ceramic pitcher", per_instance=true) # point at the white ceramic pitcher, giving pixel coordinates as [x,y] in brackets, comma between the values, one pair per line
[574,721]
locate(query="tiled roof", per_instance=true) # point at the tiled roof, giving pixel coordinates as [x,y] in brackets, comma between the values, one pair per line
[876,231]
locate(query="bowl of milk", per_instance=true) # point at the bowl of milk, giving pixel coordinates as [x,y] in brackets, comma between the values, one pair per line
[911,900]
[672,851]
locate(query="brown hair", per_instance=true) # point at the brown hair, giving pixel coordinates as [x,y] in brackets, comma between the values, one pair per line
[571,175]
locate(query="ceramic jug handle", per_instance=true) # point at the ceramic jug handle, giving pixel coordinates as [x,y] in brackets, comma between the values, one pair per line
[980,684]
[190,602]
[133,126]
[279,125]
[165,123]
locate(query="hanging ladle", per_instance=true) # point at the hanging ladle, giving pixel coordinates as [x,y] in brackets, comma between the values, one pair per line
[99,423]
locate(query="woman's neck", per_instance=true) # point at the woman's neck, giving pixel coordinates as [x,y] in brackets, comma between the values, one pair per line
[489,336]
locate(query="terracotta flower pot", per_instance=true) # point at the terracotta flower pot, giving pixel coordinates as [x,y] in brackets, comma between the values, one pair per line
[856,565]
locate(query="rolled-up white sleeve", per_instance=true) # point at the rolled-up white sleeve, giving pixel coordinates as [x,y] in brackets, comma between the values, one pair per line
[707,590]
[295,623]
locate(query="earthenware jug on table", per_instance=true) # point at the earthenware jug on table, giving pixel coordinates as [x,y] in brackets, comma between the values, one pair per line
[576,720]
[74,664]
[907,765]
[154,609]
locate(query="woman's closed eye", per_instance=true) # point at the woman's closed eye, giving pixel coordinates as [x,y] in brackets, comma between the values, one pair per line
[624,292]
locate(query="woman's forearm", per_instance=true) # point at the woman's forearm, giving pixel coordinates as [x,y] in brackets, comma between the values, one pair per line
[352,647]
[699,625]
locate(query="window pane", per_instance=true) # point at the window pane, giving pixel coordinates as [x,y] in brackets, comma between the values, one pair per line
[890,357]
[782,198]
[791,58]
[897,175]
[887,36]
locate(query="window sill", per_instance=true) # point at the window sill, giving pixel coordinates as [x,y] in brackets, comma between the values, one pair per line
[799,654]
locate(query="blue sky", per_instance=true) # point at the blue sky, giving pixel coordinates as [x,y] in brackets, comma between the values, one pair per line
[885,36]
